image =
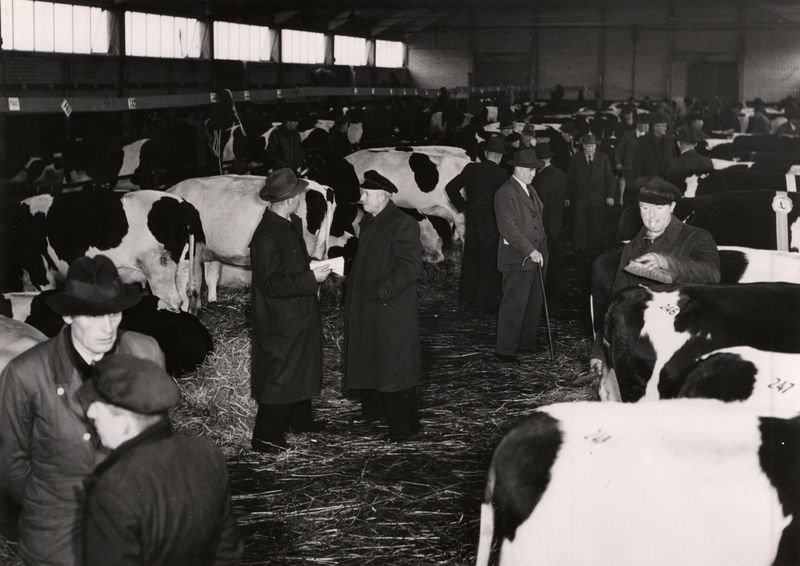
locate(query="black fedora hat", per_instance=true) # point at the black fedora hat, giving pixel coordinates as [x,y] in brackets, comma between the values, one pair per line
[281,184]
[543,151]
[93,288]
[527,158]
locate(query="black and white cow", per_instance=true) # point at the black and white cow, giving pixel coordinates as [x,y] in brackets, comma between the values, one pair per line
[184,340]
[768,382]
[654,333]
[688,481]
[230,210]
[145,233]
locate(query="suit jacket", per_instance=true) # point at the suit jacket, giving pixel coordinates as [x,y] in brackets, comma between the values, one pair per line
[652,155]
[625,150]
[551,186]
[519,222]
[688,163]
[589,185]
[479,181]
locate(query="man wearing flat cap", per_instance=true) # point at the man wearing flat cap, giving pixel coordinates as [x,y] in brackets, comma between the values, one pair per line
[624,152]
[381,324]
[286,362]
[521,258]
[590,189]
[689,162]
[285,148]
[664,250]
[479,284]
[160,498]
[47,447]
[654,150]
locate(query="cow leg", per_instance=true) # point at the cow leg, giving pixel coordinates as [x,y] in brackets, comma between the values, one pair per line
[608,388]
[212,271]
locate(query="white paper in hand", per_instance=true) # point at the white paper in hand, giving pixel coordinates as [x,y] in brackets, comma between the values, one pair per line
[336,264]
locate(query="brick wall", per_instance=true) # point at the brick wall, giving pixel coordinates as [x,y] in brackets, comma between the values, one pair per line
[771,64]
[439,59]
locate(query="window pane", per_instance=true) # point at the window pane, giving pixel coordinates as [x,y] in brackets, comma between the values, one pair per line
[180,39]
[81,29]
[23,24]
[43,26]
[63,31]
[6,24]
[137,36]
[221,40]
[100,33]
[166,35]
[349,50]
[302,46]
[152,32]
[388,53]
[193,34]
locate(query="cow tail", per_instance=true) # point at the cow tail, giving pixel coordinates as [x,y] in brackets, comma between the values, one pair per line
[487,521]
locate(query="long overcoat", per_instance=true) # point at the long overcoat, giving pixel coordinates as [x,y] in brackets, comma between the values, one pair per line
[286,364]
[381,321]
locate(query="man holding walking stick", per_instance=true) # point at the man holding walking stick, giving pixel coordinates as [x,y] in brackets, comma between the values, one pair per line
[521,257]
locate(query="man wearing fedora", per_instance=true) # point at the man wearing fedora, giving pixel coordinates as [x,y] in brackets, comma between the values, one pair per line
[688,254]
[624,153]
[689,162]
[381,322]
[563,146]
[521,258]
[590,189]
[654,150]
[479,284]
[47,447]
[286,363]
[160,498]
[285,148]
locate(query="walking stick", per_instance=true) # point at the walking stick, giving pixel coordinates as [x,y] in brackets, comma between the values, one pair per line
[546,316]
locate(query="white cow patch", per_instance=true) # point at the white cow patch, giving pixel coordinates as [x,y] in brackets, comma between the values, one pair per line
[769,265]
[659,327]
[676,482]
[724,163]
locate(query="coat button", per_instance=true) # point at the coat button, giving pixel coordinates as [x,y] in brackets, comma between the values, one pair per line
[60,391]
[87,436]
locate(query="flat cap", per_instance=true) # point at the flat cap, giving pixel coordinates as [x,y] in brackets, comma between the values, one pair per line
[129,382]
[655,190]
[374,181]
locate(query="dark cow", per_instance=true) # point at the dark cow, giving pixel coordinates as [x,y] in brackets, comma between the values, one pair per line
[653,334]
[688,481]
[739,178]
[184,340]
[766,381]
[230,210]
[145,233]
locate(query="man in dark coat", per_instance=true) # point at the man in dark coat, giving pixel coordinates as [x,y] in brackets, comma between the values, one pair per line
[284,148]
[380,315]
[550,183]
[654,150]
[689,162]
[759,123]
[47,447]
[160,499]
[286,370]
[563,147]
[521,257]
[590,189]
[337,146]
[624,153]
[479,284]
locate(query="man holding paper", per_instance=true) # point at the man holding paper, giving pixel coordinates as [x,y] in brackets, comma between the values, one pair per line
[286,368]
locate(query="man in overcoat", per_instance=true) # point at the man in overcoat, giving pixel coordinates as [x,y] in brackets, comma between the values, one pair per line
[286,364]
[654,150]
[590,188]
[48,448]
[160,498]
[285,148]
[624,154]
[381,319]
[479,284]
[521,257]
[689,162]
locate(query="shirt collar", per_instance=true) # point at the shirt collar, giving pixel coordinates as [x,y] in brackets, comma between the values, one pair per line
[521,184]
[84,368]
[669,234]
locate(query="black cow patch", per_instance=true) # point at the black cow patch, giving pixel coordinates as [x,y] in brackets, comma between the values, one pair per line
[171,221]
[444,229]
[83,220]
[426,174]
[316,207]
[779,457]
[413,213]
[522,464]
[32,233]
[732,265]
[722,376]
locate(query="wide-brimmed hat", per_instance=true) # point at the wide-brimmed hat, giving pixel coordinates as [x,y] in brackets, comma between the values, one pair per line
[93,288]
[496,144]
[655,190]
[686,135]
[529,130]
[527,158]
[543,151]
[643,118]
[589,139]
[281,184]
[129,382]
[658,118]
[569,128]
[506,123]
[374,181]
[290,115]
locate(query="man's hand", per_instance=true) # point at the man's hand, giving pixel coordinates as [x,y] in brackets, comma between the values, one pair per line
[321,272]
[652,261]
[610,201]
[596,366]
[537,257]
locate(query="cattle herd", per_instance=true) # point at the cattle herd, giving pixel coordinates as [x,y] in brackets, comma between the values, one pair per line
[709,480]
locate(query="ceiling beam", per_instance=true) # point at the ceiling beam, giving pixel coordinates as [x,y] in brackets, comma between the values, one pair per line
[423,23]
[284,16]
[342,18]
[394,19]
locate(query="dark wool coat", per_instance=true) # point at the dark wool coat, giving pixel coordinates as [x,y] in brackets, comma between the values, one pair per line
[590,185]
[688,163]
[551,186]
[284,149]
[48,447]
[162,499]
[381,320]
[286,364]
[519,221]
[652,155]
